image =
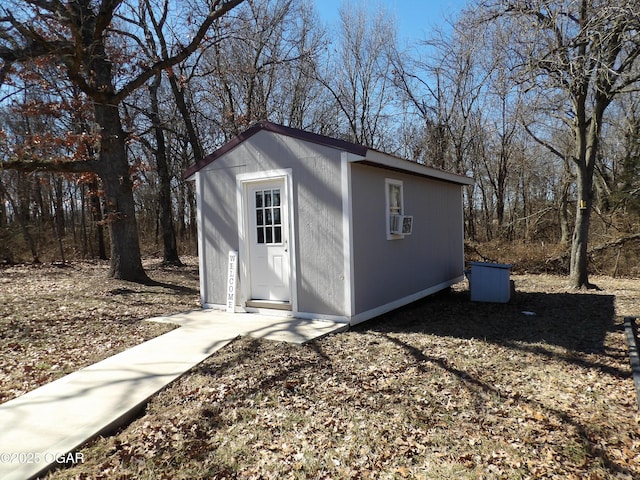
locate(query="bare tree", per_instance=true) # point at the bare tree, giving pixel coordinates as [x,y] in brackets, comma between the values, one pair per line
[621,169]
[265,69]
[587,52]
[83,38]
[159,50]
[443,91]
[444,95]
[359,75]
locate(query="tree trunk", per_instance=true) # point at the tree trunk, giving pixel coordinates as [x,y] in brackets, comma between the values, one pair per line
[586,136]
[86,244]
[44,217]
[181,103]
[96,210]
[578,272]
[170,255]
[58,206]
[182,226]
[193,222]
[113,169]
[59,242]
[563,212]
[22,217]
[5,252]
[471,217]
[3,212]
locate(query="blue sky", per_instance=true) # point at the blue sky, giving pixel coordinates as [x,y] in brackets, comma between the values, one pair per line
[414,18]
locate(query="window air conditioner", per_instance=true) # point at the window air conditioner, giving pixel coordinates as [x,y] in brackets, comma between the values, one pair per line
[401,224]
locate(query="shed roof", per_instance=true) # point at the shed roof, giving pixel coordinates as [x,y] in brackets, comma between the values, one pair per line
[361,154]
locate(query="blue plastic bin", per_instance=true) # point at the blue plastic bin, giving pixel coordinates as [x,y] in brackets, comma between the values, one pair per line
[489,282]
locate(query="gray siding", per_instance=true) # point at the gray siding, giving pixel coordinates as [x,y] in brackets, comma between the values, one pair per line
[218,228]
[320,254]
[317,222]
[388,270]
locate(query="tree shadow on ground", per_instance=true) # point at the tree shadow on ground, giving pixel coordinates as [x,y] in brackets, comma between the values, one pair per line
[178,289]
[567,327]
[535,322]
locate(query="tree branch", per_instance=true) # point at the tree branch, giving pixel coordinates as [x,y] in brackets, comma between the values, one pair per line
[545,144]
[105,16]
[42,166]
[218,9]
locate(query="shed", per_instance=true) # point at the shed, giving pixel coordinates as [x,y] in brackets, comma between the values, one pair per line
[324,228]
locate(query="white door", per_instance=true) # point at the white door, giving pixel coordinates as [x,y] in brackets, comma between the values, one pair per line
[268,241]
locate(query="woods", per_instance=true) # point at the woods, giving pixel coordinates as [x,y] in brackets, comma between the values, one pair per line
[76,38]
[105,104]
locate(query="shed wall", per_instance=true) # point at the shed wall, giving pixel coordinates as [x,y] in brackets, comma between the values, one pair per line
[218,229]
[388,270]
[317,223]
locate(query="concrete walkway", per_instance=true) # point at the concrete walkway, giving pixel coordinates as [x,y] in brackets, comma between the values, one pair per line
[40,428]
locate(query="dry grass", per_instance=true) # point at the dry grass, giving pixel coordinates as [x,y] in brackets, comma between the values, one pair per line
[440,389]
[544,257]
[55,320]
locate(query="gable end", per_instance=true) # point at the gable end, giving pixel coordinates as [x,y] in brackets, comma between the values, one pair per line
[341,145]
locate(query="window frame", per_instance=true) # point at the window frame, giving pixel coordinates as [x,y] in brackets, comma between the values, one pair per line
[390,185]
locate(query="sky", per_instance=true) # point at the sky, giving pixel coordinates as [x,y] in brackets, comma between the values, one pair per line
[414,18]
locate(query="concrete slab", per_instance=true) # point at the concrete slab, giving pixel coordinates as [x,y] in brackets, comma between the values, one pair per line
[270,327]
[47,423]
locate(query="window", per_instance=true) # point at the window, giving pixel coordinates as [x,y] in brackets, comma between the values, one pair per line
[394,205]
[269,216]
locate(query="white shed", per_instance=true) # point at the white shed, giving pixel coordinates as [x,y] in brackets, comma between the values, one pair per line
[324,228]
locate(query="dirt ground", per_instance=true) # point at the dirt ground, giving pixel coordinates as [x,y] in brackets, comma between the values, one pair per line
[443,388]
[57,319]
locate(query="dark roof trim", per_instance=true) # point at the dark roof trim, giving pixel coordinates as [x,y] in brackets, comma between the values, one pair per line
[432,173]
[281,129]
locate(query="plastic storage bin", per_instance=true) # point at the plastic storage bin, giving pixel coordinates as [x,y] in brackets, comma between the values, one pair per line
[489,282]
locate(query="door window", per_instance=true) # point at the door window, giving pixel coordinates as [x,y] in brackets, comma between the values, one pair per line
[269,216]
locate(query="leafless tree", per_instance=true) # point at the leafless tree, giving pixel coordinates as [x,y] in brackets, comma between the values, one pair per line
[587,53]
[358,74]
[445,93]
[619,167]
[96,44]
[262,71]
